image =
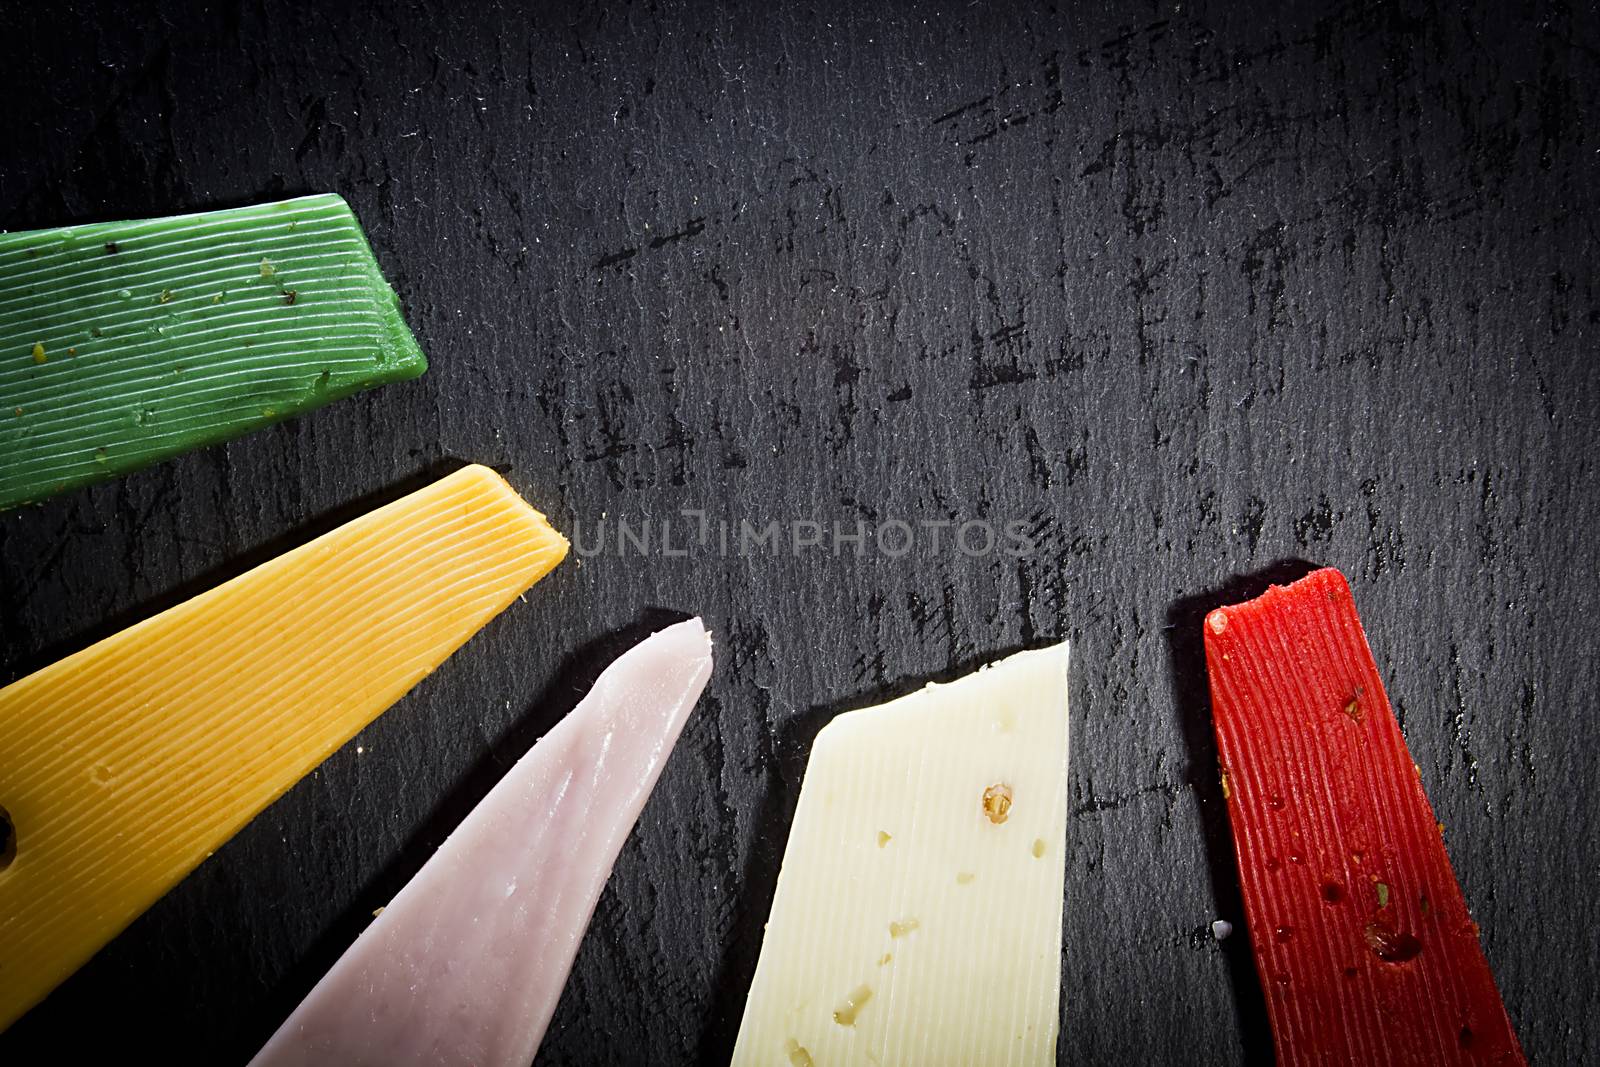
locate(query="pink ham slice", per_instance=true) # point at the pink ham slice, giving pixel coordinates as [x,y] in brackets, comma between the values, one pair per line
[465,965]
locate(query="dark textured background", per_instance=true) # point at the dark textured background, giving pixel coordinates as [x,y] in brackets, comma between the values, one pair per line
[1195,289]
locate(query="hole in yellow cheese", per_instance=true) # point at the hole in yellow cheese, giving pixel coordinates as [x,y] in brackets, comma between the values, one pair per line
[8,839]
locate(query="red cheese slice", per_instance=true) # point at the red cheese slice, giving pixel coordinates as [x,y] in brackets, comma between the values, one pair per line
[1366,952]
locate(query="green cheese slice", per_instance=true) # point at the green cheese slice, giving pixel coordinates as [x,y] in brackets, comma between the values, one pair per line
[126,343]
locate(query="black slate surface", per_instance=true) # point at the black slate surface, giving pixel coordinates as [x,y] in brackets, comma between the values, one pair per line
[1196,291]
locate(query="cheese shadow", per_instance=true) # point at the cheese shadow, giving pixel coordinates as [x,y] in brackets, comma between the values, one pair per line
[759,879]
[235,565]
[43,208]
[1192,686]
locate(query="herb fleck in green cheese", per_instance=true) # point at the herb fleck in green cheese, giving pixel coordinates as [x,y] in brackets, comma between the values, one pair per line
[158,361]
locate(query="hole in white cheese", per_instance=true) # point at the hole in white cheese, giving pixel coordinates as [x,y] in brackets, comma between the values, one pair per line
[845,1014]
[997,803]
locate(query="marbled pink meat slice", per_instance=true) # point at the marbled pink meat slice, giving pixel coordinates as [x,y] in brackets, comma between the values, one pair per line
[465,965]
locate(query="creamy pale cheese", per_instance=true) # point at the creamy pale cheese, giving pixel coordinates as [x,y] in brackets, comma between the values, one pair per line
[917,918]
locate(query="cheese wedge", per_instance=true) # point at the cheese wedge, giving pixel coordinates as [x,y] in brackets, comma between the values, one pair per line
[125,765]
[466,964]
[917,918]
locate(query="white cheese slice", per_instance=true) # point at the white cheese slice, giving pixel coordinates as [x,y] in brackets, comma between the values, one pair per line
[917,918]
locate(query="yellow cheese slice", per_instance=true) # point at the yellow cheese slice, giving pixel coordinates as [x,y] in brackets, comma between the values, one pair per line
[124,766]
[917,919]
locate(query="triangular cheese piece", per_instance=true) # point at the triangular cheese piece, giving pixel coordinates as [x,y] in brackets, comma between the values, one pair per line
[917,918]
[466,964]
[126,764]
